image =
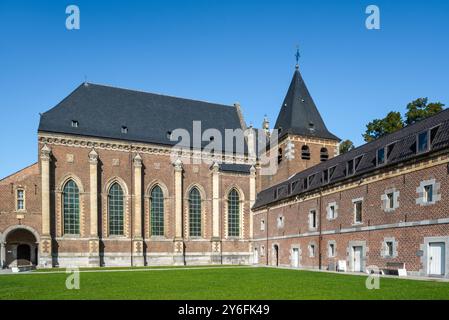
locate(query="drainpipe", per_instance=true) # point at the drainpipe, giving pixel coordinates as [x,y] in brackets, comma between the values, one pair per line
[131,202]
[319,232]
[267,224]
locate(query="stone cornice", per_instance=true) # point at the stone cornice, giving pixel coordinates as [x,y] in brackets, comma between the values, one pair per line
[143,148]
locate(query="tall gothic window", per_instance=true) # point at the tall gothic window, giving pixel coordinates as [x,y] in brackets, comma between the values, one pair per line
[71,208]
[115,202]
[233,214]
[194,213]
[157,212]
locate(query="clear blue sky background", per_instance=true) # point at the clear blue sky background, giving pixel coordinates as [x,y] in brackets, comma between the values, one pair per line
[220,51]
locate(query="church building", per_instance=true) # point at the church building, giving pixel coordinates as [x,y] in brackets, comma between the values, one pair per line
[112,187]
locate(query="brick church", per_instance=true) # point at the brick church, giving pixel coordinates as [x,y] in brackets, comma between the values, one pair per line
[107,191]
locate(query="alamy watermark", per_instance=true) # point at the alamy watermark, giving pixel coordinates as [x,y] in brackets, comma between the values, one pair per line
[72,281]
[73,20]
[372,22]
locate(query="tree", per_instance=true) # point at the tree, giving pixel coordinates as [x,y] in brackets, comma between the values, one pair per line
[381,127]
[420,109]
[346,146]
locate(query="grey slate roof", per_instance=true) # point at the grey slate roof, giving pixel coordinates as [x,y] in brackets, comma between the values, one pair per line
[101,111]
[403,143]
[299,114]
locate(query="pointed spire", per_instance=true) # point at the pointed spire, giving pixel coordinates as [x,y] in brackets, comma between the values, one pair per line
[299,114]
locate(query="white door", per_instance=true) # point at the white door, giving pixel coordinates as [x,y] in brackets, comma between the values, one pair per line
[357,259]
[436,258]
[295,258]
[256,256]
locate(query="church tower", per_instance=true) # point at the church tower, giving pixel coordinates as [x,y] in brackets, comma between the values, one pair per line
[303,139]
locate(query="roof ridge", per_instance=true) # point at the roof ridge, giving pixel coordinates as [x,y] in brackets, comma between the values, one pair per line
[158,94]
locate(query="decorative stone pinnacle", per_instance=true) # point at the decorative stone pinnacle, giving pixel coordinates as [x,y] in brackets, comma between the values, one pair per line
[215,167]
[252,170]
[45,152]
[137,161]
[93,157]
[178,164]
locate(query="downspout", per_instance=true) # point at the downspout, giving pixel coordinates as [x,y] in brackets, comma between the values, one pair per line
[319,232]
[132,203]
[267,224]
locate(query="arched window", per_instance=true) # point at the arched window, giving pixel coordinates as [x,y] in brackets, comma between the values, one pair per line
[194,213]
[115,202]
[305,153]
[157,212]
[71,208]
[324,154]
[233,214]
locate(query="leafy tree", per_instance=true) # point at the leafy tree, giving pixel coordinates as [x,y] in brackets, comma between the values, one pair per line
[420,109]
[380,127]
[346,146]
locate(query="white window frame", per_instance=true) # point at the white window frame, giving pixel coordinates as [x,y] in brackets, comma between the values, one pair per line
[22,199]
[313,213]
[354,205]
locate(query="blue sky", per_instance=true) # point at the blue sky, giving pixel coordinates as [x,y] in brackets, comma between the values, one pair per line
[221,51]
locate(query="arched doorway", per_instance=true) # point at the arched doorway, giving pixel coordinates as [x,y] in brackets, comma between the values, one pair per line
[20,248]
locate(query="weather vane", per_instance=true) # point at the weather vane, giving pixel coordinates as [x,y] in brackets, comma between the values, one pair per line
[297,55]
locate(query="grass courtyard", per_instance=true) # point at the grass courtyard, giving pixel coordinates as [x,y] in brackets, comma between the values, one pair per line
[213,283]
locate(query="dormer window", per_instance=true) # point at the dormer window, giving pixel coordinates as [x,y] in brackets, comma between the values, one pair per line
[423,142]
[350,167]
[326,176]
[293,185]
[124,130]
[310,178]
[75,124]
[433,134]
[306,184]
[331,172]
[380,156]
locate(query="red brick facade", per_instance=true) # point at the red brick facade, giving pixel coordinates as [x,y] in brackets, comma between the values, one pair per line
[410,227]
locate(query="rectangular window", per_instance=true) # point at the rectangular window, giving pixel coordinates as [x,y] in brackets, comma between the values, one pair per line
[325,176]
[332,212]
[380,156]
[423,142]
[306,184]
[428,193]
[312,219]
[350,167]
[312,250]
[75,124]
[262,225]
[433,134]
[390,200]
[20,200]
[280,222]
[389,248]
[331,172]
[331,250]
[358,212]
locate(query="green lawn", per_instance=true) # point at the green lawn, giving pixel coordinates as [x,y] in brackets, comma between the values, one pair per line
[214,283]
